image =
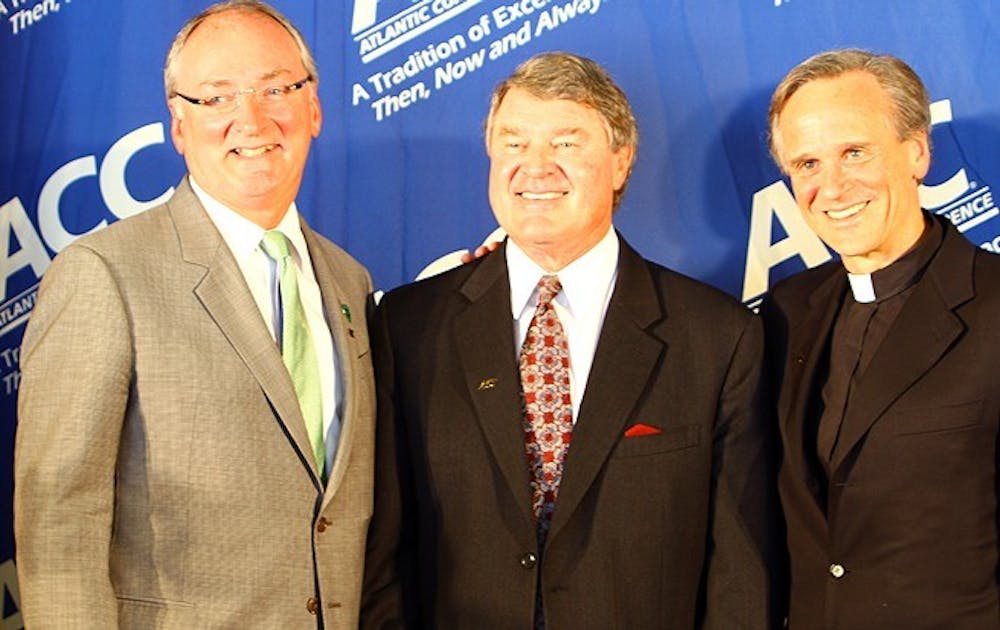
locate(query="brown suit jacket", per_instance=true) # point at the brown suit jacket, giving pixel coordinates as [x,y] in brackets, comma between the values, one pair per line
[163,471]
[911,513]
[662,531]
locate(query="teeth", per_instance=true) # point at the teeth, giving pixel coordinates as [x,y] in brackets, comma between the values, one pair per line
[253,152]
[849,211]
[541,196]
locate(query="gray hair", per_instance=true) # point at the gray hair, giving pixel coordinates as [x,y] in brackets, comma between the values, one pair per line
[911,105]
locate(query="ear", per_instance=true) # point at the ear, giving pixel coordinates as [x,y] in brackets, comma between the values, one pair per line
[488,135]
[176,126]
[315,111]
[919,151]
[622,164]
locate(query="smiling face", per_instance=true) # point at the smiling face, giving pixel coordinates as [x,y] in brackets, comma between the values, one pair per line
[854,179]
[250,159]
[552,176]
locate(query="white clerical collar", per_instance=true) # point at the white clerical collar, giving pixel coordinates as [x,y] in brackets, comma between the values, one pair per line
[595,269]
[862,287]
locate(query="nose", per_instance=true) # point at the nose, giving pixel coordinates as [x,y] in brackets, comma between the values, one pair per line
[833,181]
[537,160]
[248,116]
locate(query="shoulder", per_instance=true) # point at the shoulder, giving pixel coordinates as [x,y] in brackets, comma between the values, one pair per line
[132,243]
[793,292]
[137,234]
[682,296]
[987,265]
[960,262]
[804,282]
[435,288]
[346,265]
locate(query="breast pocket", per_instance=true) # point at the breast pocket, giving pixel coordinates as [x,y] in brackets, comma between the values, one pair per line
[915,421]
[673,438]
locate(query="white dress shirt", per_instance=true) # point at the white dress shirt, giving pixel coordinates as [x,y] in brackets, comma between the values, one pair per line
[587,285]
[243,238]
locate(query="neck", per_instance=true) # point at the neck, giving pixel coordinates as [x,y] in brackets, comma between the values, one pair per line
[267,214]
[880,259]
[554,257]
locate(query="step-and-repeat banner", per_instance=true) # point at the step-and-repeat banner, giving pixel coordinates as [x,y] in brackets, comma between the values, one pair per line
[398,176]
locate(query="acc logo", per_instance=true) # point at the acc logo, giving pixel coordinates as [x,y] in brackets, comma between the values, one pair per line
[379,26]
[967,204]
[15,224]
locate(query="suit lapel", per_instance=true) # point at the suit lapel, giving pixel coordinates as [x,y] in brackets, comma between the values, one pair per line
[921,334]
[218,284]
[350,346]
[627,351]
[484,336]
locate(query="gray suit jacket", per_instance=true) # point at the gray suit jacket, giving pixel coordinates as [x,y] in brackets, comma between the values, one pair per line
[666,531]
[163,471]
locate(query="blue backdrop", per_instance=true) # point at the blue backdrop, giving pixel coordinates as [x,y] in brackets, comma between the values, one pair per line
[398,176]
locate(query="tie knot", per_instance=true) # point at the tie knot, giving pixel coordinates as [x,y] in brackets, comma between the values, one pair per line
[548,288]
[275,245]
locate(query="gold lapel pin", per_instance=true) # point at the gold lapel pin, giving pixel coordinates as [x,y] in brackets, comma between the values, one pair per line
[488,383]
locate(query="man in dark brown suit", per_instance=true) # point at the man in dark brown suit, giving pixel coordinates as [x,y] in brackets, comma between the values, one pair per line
[661,515]
[888,395]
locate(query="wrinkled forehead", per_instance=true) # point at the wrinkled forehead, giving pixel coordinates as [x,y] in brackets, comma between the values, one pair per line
[239,45]
[523,110]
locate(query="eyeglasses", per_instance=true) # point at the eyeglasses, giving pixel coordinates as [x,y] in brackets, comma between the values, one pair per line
[272,96]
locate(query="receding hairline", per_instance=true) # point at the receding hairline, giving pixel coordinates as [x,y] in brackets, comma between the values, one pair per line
[227,10]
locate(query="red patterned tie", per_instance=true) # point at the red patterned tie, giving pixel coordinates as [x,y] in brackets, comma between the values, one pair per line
[548,409]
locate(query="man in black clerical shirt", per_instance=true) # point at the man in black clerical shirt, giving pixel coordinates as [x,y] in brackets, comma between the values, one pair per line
[887,400]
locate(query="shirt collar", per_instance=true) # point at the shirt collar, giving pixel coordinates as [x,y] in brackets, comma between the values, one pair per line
[242,235]
[903,273]
[595,269]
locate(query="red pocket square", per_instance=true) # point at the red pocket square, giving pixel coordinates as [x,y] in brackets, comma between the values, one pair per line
[639,429]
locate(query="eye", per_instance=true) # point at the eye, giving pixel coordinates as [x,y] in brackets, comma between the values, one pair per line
[219,100]
[807,166]
[855,153]
[275,91]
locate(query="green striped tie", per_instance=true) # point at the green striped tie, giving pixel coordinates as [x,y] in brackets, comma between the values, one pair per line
[297,348]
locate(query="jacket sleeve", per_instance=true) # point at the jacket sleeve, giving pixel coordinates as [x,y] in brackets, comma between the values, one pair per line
[76,365]
[389,595]
[743,578]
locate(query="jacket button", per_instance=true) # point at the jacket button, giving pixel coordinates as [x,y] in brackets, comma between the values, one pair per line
[323,524]
[529,560]
[311,605]
[837,570]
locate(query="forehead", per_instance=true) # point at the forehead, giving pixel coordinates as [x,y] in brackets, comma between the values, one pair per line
[238,45]
[522,112]
[829,108]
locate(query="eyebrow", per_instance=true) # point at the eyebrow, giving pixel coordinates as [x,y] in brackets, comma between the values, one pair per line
[843,146]
[565,131]
[570,131]
[267,76]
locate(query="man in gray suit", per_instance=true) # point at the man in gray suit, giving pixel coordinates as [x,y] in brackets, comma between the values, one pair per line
[171,472]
